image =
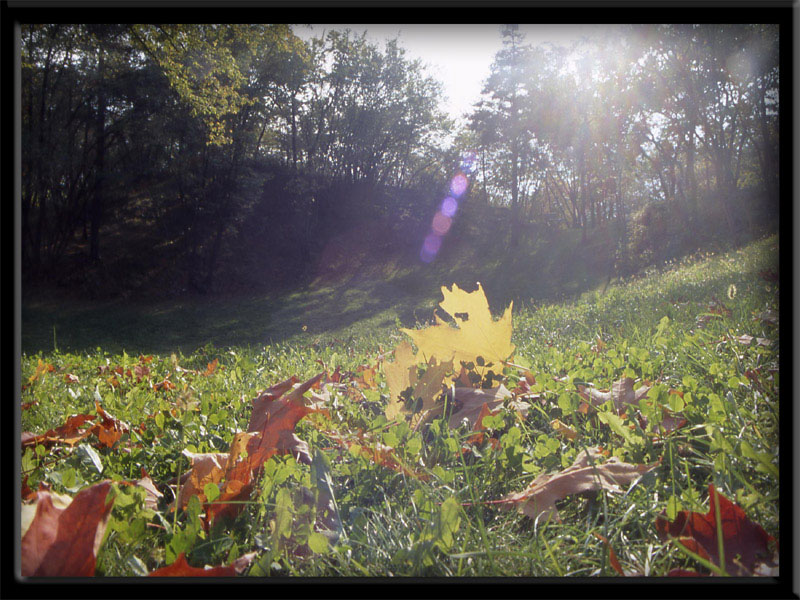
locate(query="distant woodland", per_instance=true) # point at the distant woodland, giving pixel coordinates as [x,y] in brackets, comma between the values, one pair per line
[172,159]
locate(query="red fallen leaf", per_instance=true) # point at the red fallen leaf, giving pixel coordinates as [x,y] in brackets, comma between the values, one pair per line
[70,378]
[270,431]
[745,544]
[276,418]
[181,568]
[479,435]
[141,372]
[336,376]
[68,433]
[64,542]
[523,388]
[27,405]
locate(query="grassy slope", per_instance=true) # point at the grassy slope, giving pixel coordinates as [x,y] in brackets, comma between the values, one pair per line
[387,517]
[356,286]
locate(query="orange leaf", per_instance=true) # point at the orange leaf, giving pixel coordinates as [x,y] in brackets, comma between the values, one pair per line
[212,366]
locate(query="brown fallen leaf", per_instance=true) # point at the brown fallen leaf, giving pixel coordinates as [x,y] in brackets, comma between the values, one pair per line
[621,393]
[748,339]
[41,368]
[204,468]
[563,430]
[212,366]
[109,429]
[369,447]
[587,473]
[746,545]
[63,542]
[470,402]
[153,495]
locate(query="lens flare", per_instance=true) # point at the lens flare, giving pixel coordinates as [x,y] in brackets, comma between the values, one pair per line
[443,219]
[430,247]
[449,207]
[441,224]
[458,185]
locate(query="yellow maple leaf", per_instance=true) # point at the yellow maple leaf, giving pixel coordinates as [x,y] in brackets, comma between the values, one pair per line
[402,374]
[477,333]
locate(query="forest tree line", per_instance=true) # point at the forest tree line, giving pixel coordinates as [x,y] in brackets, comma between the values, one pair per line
[189,148]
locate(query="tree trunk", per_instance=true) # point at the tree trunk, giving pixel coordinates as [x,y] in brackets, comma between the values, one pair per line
[96,210]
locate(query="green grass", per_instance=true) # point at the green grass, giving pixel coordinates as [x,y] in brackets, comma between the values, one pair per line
[657,327]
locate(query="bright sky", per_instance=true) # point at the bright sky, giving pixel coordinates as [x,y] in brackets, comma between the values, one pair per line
[457,55]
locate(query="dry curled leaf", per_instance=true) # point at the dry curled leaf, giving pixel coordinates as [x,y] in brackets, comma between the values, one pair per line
[621,393]
[587,473]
